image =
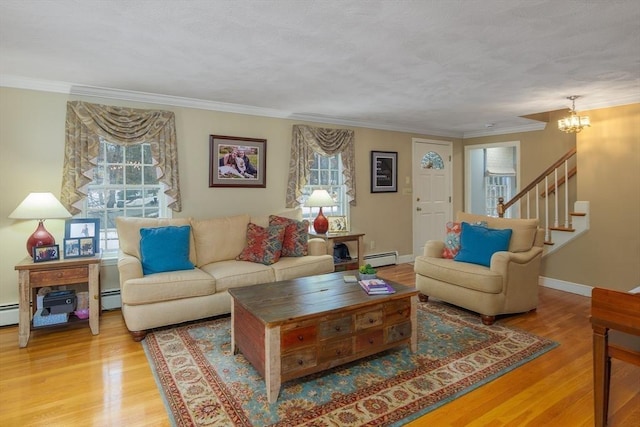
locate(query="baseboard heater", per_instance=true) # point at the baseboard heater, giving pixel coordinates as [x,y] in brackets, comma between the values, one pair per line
[383,258]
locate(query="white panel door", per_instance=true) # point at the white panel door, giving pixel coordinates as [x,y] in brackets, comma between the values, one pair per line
[431,191]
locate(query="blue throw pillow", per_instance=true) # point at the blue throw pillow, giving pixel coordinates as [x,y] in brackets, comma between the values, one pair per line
[478,244]
[165,249]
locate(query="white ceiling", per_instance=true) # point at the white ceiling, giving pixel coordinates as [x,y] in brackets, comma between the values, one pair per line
[442,67]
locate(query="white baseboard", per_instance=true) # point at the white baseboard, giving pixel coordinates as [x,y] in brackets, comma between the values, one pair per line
[561,285]
[9,312]
[403,259]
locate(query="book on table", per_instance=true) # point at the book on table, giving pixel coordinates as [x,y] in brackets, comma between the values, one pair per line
[376,287]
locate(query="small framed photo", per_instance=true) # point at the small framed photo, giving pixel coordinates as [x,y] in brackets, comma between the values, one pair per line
[384,171]
[46,253]
[82,228]
[237,162]
[338,224]
[71,248]
[87,247]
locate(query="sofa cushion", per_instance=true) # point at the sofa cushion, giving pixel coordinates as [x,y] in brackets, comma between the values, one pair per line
[219,239]
[293,267]
[165,249]
[524,230]
[296,235]
[235,274]
[478,243]
[167,286]
[129,233]
[264,245]
[471,276]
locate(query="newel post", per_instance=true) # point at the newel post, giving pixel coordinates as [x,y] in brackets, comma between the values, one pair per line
[501,207]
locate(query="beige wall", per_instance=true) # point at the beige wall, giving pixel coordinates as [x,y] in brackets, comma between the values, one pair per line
[608,161]
[31,157]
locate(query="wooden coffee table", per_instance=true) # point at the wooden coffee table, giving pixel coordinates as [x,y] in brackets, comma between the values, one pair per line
[297,327]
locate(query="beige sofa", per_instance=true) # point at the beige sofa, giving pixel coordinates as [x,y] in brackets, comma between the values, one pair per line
[508,285]
[166,298]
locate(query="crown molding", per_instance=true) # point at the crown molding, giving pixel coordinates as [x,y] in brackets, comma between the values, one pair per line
[18,82]
[532,127]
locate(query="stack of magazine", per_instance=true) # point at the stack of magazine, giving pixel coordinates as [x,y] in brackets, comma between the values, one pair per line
[376,287]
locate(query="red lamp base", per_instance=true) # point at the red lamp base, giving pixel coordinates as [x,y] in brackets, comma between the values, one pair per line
[321,223]
[40,237]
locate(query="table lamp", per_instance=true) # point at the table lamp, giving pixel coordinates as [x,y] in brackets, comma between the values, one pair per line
[40,206]
[320,199]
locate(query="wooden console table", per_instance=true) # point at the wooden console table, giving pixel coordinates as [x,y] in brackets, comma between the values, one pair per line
[620,313]
[73,271]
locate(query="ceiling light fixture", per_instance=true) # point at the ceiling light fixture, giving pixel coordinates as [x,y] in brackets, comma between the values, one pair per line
[573,123]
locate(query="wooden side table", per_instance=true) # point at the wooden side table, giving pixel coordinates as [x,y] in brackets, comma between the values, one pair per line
[348,236]
[74,271]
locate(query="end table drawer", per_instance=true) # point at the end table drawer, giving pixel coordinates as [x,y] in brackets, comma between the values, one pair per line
[369,319]
[336,349]
[336,327]
[369,340]
[61,276]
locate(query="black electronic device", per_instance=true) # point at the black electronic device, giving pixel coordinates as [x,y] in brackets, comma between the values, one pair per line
[58,302]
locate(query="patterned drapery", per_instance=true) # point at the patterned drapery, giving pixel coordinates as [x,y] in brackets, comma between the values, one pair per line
[308,140]
[86,123]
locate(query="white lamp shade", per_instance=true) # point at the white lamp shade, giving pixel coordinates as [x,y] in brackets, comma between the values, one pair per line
[40,206]
[319,199]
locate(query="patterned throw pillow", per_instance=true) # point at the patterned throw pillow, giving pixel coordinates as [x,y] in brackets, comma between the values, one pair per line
[296,235]
[452,240]
[264,245]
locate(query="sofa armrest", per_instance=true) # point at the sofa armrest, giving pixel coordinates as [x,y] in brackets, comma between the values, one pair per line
[433,248]
[317,246]
[129,268]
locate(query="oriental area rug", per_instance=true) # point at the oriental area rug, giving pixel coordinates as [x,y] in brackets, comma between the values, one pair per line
[204,384]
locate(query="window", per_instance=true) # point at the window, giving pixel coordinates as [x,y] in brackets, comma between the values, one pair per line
[125,183]
[326,174]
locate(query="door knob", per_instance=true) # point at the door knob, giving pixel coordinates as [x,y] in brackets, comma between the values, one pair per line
[419,209]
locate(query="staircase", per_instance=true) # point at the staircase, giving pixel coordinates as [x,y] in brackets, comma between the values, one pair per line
[550,204]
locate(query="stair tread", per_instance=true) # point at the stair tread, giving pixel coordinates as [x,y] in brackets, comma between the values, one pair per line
[562,229]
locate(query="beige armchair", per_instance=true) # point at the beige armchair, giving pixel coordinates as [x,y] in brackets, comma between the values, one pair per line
[508,285]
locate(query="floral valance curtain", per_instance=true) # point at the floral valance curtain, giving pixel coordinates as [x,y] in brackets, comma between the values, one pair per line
[308,140]
[86,123]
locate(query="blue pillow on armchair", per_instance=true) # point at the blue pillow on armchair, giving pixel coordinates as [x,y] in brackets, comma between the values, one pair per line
[478,244]
[165,249]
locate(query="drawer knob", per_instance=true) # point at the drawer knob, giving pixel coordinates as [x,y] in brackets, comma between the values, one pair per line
[371,320]
[338,352]
[59,274]
[370,340]
[300,337]
[300,362]
[337,328]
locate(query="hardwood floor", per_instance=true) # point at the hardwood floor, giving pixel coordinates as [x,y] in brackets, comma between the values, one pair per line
[70,377]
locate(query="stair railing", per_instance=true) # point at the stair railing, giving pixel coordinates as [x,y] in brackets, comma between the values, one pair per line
[533,188]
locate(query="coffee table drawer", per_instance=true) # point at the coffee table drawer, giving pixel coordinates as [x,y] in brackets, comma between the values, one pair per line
[299,360]
[397,311]
[298,337]
[398,332]
[369,319]
[368,340]
[335,349]
[336,327]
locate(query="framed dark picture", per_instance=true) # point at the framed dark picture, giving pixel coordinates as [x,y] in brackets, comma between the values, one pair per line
[237,162]
[46,253]
[87,247]
[82,228]
[384,171]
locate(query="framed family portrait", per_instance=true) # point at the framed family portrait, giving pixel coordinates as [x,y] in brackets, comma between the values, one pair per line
[46,253]
[338,224]
[384,171]
[83,229]
[76,248]
[237,162]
